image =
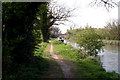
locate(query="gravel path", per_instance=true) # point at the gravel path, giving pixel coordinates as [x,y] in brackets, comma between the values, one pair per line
[65,68]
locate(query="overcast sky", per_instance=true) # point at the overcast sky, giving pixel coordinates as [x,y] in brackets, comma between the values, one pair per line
[84,14]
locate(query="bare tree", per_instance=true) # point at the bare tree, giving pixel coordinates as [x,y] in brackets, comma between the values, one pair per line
[55,30]
[105,3]
[59,14]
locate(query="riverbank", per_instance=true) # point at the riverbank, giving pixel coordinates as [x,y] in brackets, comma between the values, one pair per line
[112,42]
[88,67]
[45,66]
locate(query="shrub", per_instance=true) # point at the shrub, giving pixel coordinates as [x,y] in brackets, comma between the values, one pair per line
[90,40]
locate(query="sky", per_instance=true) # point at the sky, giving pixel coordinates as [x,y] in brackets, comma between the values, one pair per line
[84,14]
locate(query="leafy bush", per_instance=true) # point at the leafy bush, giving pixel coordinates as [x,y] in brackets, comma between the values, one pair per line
[89,39]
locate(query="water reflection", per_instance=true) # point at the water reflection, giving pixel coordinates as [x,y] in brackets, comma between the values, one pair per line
[109,58]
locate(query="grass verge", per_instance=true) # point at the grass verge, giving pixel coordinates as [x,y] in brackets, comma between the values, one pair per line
[87,67]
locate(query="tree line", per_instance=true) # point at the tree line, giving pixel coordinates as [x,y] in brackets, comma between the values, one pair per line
[91,39]
[110,31]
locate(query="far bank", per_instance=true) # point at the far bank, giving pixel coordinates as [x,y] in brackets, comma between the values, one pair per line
[112,42]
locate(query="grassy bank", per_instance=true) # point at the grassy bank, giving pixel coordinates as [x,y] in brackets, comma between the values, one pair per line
[87,67]
[112,42]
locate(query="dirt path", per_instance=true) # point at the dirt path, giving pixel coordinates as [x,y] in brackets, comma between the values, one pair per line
[65,68]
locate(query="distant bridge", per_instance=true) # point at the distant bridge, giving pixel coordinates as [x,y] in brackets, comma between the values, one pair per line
[62,35]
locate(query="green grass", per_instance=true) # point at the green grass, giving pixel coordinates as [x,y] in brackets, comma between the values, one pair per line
[91,69]
[67,51]
[87,67]
[29,71]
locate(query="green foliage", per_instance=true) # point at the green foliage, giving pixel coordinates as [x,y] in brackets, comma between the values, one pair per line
[112,31]
[20,36]
[89,40]
[101,32]
[41,21]
[40,49]
[25,72]
[33,70]
[17,30]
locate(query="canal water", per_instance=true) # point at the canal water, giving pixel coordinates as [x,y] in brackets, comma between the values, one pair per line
[109,57]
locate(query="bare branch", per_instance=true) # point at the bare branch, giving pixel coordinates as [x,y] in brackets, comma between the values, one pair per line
[108,4]
[93,3]
[59,13]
